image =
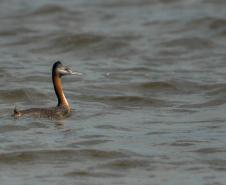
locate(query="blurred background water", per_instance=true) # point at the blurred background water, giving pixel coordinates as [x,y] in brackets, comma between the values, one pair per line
[150,108]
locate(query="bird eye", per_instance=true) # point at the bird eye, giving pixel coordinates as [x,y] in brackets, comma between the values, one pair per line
[66,68]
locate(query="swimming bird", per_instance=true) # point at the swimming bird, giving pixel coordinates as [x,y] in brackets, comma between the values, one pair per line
[63,109]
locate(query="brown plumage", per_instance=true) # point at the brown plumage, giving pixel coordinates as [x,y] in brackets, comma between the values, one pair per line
[63,109]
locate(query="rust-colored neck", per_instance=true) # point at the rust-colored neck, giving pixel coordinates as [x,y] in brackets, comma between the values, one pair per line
[62,101]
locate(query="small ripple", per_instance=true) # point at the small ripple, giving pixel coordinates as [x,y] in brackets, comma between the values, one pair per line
[12,95]
[210,150]
[111,127]
[157,133]
[89,142]
[182,144]
[155,86]
[12,128]
[89,44]
[88,173]
[92,136]
[57,155]
[49,9]
[143,86]
[129,3]
[35,78]
[37,125]
[217,164]
[215,26]
[20,95]
[15,32]
[215,2]
[211,103]
[215,89]
[127,164]
[127,101]
[190,43]
[77,41]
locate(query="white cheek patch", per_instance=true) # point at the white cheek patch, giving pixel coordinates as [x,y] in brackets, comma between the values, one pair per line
[62,71]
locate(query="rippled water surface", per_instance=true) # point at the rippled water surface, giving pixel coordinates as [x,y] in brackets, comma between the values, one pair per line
[149,109]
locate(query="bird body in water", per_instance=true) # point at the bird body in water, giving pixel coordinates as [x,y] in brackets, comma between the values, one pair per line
[63,109]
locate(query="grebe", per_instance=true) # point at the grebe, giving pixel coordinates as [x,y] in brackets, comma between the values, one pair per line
[63,108]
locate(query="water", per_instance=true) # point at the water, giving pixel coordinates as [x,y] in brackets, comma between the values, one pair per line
[150,108]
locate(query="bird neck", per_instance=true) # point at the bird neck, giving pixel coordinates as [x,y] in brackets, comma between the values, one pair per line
[62,101]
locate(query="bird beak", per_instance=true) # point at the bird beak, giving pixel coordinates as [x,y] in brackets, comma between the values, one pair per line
[76,73]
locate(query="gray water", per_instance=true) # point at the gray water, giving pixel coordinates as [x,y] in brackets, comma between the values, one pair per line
[149,109]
